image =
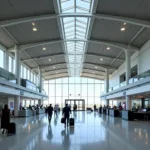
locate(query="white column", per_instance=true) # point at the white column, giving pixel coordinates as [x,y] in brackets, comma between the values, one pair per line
[17,105]
[40,80]
[107,102]
[128,66]
[25,103]
[128,103]
[6,60]
[107,81]
[39,102]
[17,64]
[17,73]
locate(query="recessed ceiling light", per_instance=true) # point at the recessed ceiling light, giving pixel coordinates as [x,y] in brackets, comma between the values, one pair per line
[33,23]
[123,29]
[101,59]
[34,29]
[96,67]
[49,59]
[125,23]
[108,48]
[44,48]
[54,67]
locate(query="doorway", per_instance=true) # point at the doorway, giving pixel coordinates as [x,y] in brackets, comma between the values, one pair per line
[79,102]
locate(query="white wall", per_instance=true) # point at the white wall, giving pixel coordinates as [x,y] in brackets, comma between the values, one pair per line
[141,59]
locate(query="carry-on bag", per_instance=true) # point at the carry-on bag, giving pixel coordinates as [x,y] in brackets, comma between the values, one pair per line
[11,128]
[71,122]
[62,120]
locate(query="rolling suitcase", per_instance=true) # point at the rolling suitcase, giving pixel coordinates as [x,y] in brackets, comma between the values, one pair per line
[71,122]
[11,128]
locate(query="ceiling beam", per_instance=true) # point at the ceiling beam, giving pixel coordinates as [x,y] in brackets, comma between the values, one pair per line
[85,63]
[104,56]
[56,70]
[65,72]
[107,43]
[63,54]
[48,66]
[138,22]
[56,75]
[93,70]
[93,77]
[43,57]
[93,74]
[100,65]
[53,78]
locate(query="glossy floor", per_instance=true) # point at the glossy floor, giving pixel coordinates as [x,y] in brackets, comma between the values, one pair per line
[91,132]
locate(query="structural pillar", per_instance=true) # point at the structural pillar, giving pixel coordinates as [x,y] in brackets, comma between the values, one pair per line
[128,66]
[107,102]
[128,103]
[17,74]
[40,81]
[6,60]
[25,103]
[17,64]
[107,81]
[16,105]
[39,102]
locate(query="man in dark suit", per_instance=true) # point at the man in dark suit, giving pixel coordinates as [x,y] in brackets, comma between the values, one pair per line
[66,112]
[50,112]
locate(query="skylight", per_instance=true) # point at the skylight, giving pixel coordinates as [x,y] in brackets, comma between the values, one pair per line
[75,28]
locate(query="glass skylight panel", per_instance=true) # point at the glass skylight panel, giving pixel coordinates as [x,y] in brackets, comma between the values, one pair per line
[75,28]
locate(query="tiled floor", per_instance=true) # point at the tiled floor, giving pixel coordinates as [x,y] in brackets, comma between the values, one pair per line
[91,132]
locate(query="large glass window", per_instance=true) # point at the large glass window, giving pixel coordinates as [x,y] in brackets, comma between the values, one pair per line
[10,64]
[74,88]
[1,58]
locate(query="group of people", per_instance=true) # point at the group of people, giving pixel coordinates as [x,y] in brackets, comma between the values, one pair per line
[65,112]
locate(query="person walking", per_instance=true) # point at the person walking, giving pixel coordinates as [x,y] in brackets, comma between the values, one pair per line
[55,110]
[66,112]
[50,112]
[5,119]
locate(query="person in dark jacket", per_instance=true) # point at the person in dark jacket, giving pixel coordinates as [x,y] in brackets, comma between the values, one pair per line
[66,112]
[5,120]
[50,112]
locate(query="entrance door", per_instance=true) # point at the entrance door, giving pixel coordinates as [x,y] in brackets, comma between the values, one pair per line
[79,102]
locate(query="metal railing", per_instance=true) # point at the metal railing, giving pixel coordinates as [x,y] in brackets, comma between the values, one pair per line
[6,75]
[131,80]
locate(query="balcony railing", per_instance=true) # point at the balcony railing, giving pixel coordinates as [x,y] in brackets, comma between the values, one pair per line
[131,80]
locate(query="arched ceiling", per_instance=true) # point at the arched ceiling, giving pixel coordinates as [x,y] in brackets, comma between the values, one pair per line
[74,37]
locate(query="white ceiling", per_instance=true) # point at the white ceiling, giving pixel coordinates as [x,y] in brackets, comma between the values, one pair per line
[79,37]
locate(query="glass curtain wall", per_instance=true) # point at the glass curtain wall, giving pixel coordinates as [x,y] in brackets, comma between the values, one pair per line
[74,88]
[1,58]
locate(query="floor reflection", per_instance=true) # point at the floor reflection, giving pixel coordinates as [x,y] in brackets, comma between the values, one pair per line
[92,131]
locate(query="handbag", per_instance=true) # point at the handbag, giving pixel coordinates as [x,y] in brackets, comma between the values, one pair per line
[62,120]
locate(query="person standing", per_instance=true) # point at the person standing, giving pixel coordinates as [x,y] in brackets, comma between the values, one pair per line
[50,112]
[55,110]
[66,112]
[5,120]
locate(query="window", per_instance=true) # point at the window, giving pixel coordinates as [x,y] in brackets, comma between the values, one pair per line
[25,73]
[10,64]
[1,58]
[31,77]
[74,88]
[21,71]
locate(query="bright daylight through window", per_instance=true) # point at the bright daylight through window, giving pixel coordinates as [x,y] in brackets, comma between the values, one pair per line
[74,88]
